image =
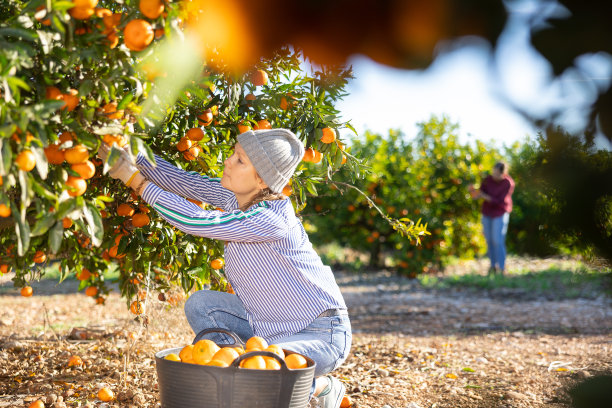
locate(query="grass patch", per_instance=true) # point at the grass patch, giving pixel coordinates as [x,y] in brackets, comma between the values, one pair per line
[51,272]
[556,282]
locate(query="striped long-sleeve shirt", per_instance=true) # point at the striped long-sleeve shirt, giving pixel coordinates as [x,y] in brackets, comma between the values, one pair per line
[269,260]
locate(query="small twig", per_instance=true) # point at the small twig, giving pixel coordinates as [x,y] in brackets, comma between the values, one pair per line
[48,322]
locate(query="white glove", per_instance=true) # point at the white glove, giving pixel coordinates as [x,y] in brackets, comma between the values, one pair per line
[123,169]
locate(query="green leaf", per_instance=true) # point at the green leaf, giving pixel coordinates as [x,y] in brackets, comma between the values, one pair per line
[311,187]
[125,101]
[6,157]
[468,369]
[43,225]
[95,226]
[86,87]
[55,237]
[18,32]
[41,161]
[22,230]
[138,145]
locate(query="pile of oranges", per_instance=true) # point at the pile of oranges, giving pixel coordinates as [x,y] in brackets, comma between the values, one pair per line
[207,352]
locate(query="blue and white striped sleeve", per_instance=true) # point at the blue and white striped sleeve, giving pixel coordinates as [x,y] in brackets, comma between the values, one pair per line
[188,184]
[258,224]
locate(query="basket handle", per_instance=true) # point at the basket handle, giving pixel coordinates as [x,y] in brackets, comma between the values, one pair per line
[234,336]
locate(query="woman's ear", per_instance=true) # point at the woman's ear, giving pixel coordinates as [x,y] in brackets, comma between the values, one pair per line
[262,184]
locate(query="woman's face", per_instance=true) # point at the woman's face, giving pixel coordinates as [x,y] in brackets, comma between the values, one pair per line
[497,174]
[240,176]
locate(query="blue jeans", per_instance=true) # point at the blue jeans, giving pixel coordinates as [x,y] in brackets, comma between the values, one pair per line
[495,230]
[327,340]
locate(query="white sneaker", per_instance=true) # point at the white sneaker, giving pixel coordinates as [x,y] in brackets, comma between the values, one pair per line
[331,396]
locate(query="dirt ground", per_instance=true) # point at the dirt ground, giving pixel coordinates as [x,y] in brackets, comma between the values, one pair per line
[413,347]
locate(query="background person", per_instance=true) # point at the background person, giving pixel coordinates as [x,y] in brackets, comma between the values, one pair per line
[283,291]
[496,191]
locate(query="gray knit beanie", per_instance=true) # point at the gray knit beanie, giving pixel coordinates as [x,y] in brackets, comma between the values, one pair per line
[275,153]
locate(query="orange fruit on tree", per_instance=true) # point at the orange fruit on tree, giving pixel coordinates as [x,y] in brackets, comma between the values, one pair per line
[26,291]
[256,342]
[206,117]
[137,307]
[195,134]
[53,92]
[283,103]
[81,13]
[71,99]
[75,361]
[5,210]
[287,190]
[125,210]
[204,350]
[39,257]
[118,140]
[243,127]
[254,363]
[111,21]
[66,222]
[112,39]
[184,144]
[193,152]
[295,361]
[263,124]
[250,97]
[83,274]
[259,77]
[76,186]
[217,263]
[76,154]
[36,404]
[329,135]
[85,169]
[26,160]
[186,354]
[113,252]
[85,3]
[54,154]
[317,157]
[151,8]
[111,112]
[102,12]
[140,220]
[106,394]
[309,155]
[91,291]
[4,268]
[66,137]
[138,34]
[226,355]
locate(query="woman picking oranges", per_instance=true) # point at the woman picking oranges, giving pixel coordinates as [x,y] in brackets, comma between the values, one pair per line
[284,293]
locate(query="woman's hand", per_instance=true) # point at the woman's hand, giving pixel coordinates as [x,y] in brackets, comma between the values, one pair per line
[123,168]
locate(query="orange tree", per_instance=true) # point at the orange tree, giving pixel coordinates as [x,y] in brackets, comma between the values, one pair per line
[76,74]
[422,178]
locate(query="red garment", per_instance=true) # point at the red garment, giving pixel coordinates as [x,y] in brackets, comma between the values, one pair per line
[501,196]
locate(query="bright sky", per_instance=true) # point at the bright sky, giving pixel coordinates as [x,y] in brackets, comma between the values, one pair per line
[472,86]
